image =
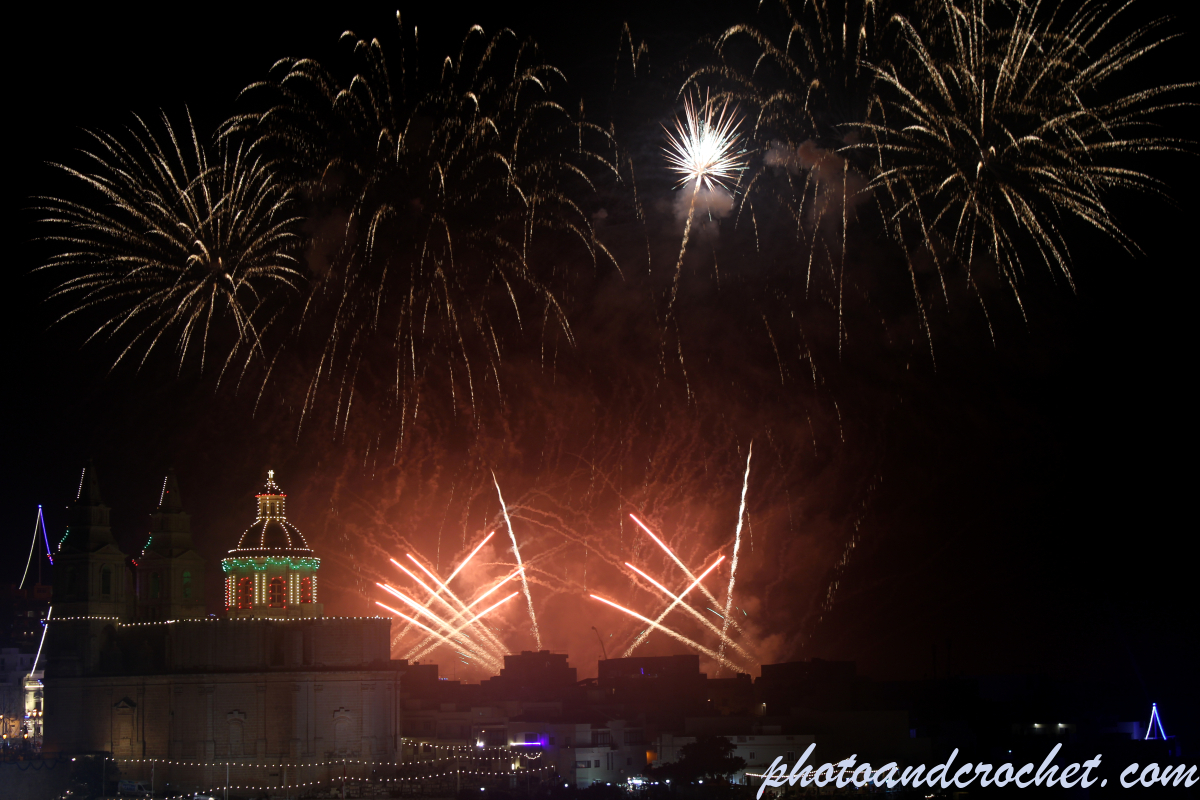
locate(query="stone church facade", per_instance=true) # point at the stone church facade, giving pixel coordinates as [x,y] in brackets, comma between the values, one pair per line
[271,690]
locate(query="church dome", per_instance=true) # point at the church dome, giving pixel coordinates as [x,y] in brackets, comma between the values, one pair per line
[272,534]
[272,573]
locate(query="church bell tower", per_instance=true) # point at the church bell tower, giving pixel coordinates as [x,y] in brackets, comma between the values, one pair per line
[170,573]
[272,573]
[90,577]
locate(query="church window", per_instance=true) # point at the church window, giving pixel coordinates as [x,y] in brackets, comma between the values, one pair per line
[105,581]
[155,586]
[235,737]
[187,585]
[341,735]
[306,594]
[245,593]
[276,593]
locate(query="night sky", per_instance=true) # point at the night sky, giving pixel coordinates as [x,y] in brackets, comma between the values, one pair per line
[1023,505]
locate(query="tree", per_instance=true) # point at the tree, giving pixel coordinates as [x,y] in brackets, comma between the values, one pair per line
[707,758]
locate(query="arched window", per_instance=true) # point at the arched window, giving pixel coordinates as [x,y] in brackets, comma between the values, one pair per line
[106,581]
[155,586]
[187,585]
[275,593]
[306,589]
[245,593]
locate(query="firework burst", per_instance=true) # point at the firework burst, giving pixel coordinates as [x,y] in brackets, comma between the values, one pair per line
[802,88]
[435,197]
[704,147]
[977,133]
[168,243]
[1000,130]
[705,151]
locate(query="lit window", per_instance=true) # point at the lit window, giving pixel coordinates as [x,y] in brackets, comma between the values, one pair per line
[245,593]
[306,593]
[275,593]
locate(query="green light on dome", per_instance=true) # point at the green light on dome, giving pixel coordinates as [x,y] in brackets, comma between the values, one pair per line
[268,562]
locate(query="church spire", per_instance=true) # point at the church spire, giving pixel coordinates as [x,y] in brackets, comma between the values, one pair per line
[89,487]
[170,525]
[171,501]
[88,528]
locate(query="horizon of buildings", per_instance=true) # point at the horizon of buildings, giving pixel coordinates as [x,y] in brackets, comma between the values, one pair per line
[273,693]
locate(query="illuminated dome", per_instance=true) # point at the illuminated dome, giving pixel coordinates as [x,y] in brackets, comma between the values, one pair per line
[272,573]
[271,534]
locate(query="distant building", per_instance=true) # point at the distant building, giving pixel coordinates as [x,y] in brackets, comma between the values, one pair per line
[15,669]
[21,613]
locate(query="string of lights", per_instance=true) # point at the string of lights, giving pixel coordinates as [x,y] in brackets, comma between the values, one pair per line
[290,562]
[202,619]
[458,747]
[331,762]
[339,779]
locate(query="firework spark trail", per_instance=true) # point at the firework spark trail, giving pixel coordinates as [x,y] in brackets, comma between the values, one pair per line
[677,600]
[483,654]
[445,639]
[487,637]
[417,651]
[435,594]
[471,621]
[687,232]
[502,581]
[524,581]
[737,543]
[712,599]
[483,631]
[478,547]
[673,634]
[425,612]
